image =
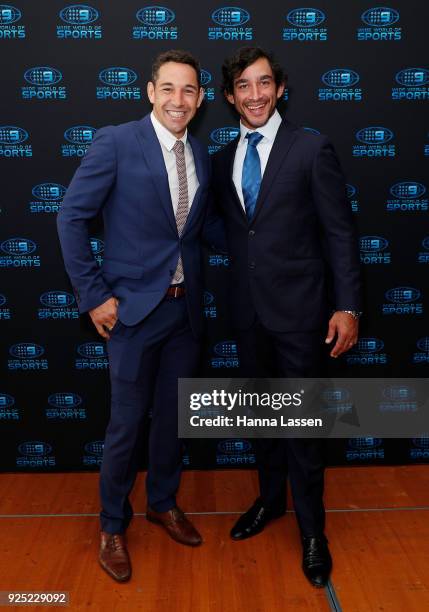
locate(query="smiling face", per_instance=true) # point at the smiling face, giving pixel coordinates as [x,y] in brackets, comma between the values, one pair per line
[175,96]
[255,94]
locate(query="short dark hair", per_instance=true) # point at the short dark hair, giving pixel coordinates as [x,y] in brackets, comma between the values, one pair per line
[245,56]
[175,55]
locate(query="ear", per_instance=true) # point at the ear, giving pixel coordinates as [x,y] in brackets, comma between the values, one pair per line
[229,97]
[200,97]
[151,92]
[280,90]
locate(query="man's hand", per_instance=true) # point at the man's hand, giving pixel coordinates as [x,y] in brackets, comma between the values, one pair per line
[345,327]
[105,315]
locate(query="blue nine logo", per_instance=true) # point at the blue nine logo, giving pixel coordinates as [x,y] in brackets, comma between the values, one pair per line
[304,25]
[422,355]
[80,134]
[48,198]
[222,136]
[336,401]
[235,452]
[374,142]
[49,192]
[58,305]
[367,352]
[5,311]
[12,138]
[340,86]
[423,256]
[8,410]
[156,24]
[12,135]
[402,301]
[398,398]
[9,14]
[78,23]
[43,81]
[414,84]
[79,14]
[117,81]
[205,79]
[19,253]
[226,355]
[93,453]
[27,356]
[117,76]
[65,406]
[79,138]
[92,356]
[9,26]
[64,400]
[407,197]
[373,250]
[229,22]
[361,449]
[155,15]
[35,454]
[18,246]
[379,22]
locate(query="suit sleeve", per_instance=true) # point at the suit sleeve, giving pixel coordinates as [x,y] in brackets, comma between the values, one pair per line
[213,234]
[84,198]
[335,216]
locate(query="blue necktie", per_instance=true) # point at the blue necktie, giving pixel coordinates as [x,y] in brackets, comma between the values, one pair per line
[251,177]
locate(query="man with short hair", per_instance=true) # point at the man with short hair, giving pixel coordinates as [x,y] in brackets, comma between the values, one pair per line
[283,200]
[150,179]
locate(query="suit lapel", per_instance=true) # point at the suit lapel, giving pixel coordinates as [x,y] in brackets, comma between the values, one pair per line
[281,146]
[201,170]
[152,153]
[230,157]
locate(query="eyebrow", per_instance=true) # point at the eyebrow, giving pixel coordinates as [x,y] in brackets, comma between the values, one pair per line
[188,85]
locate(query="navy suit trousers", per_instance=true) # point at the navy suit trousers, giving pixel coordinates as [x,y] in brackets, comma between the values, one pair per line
[145,362]
[264,353]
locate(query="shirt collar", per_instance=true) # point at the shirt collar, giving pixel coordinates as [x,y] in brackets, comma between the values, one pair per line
[164,136]
[269,130]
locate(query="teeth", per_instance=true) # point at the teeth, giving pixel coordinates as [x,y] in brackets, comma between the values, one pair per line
[176,114]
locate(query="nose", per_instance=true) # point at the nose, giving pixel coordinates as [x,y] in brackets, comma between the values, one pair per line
[177,97]
[254,91]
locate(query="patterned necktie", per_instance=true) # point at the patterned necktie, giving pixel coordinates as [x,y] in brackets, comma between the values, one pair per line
[251,177]
[183,205]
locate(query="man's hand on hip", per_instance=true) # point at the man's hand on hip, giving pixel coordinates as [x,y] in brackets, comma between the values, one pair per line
[105,316]
[345,327]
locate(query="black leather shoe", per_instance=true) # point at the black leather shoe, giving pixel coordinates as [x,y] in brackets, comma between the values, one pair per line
[316,560]
[253,521]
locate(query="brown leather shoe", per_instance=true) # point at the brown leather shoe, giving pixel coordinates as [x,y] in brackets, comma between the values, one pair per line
[114,557]
[177,525]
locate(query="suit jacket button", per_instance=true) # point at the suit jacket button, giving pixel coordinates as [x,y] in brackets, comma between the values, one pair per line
[251,232]
[252,265]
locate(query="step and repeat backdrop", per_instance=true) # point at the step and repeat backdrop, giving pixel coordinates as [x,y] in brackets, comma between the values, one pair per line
[357,72]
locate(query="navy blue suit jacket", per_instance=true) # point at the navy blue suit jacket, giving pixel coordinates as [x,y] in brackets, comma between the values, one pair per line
[124,175]
[298,258]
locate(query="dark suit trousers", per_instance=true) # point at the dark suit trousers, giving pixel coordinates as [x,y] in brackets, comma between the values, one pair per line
[265,353]
[145,362]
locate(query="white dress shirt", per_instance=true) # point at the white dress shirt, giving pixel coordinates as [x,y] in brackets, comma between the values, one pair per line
[269,132]
[167,141]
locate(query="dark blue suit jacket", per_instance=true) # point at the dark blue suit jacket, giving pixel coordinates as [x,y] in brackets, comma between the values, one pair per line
[298,258]
[124,175]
